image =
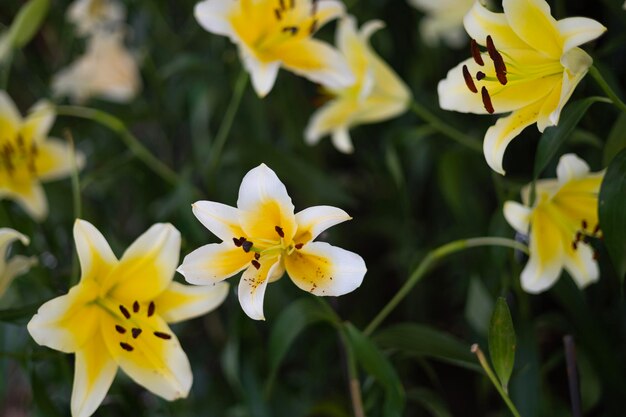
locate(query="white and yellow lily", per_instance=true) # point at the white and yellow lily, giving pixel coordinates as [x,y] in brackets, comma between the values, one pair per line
[378,93]
[531,68]
[91,16]
[275,33]
[28,156]
[443,21]
[118,315]
[561,223]
[264,238]
[107,70]
[18,264]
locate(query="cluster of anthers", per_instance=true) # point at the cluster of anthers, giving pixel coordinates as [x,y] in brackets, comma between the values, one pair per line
[585,234]
[18,155]
[499,66]
[136,330]
[282,11]
[272,246]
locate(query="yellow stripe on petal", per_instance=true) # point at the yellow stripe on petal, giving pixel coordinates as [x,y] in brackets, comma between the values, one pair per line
[54,160]
[532,22]
[213,263]
[94,253]
[322,269]
[30,196]
[181,302]
[479,23]
[314,220]
[10,119]
[38,122]
[94,371]
[220,219]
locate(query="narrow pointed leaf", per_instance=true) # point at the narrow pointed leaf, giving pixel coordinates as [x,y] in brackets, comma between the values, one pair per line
[28,21]
[502,342]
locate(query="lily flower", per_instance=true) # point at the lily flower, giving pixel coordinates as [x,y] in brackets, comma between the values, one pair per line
[264,238]
[561,223]
[443,21]
[275,33]
[531,68]
[28,156]
[378,93]
[107,70]
[91,16]
[17,265]
[118,314]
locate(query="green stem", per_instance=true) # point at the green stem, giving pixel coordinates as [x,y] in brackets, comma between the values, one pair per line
[116,125]
[430,261]
[439,125]
[76,202]
[595,73]
[483,362]
[227,123]
[353,376]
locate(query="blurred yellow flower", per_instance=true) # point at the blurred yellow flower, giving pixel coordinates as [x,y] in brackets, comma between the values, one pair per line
[117,316]
[107,70]
[91,16]
[561,222]
[264,237]
[17,265]
[443,20]
[378,93]
[531,68]
[275,33]
[28,156]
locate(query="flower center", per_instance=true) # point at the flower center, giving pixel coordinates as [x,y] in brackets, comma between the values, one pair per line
[267,247]
[17,159]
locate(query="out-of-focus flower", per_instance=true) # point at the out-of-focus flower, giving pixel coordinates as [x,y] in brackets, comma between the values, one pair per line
[28,156]
[275,33]
[561,222]
[531,68]
[377,95]
[443,20]
[18,264]
[117,316]
[107,70]
[264,237]
[91,16]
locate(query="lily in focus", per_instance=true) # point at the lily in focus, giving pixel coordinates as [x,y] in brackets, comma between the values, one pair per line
[18,264]
[28,157]
[118,315]
[264,238]
[561,223]
[275,33]
[443,21]
[531,67]
[378,93]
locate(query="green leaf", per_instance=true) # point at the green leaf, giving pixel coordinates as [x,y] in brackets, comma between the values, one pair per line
[616,140]
[18,315]
[377,365]
[555,136]
[478,306]
[27,22]
[502,342]
[291,322]
[612,212]
[425,341]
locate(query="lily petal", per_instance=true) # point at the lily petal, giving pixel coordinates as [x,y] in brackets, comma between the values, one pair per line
[38,122]
[581,266]
[147,267]
[263,74]
[504,131]
[328,10]
[546,254]
[31,197]
[253,283]
[212,15]
[518,216]
[532,22]
[94,253]
[314,220]
[219,219]
[480,22]
[94,371]
[333,116]
[15,267]
[10,118]
[212,263]
[54,160]
[578,30]
[342,141]
[571,167]
[322,269]
[264,204]
[157,363]
[182,302]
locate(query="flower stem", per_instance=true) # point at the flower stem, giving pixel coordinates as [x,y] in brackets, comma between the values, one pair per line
[76,201]
[595,73]
[227,123]
[430,261]
[116,125]
[439,125]
[483,362]
[353,377]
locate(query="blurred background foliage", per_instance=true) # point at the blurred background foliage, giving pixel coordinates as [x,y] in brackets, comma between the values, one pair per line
[408,188]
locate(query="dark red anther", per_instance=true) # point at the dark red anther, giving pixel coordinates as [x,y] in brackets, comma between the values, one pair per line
[135,307]
[257,256]
[126,347]
[162,335]
[299,245]
[135,332]
[596,229]
[280,231]
[498,61]
[277,14]
[476,53]
[584,224]
[480,75]
[247,245]
[124,311]
[487,100]
[575,245]
[239,242]
[469,82]
[256,264]
[314,26]
[151,308]
[120,329]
